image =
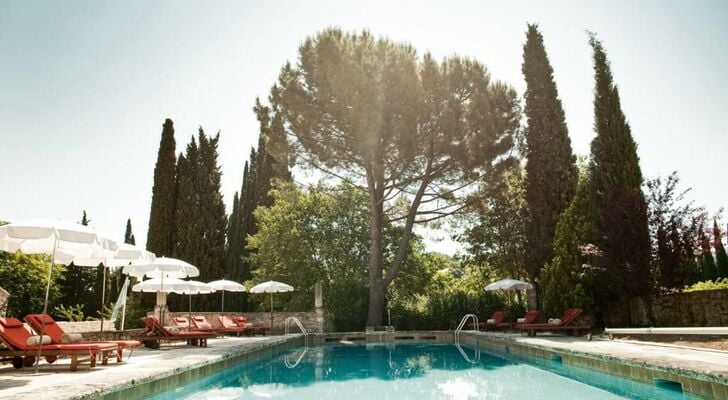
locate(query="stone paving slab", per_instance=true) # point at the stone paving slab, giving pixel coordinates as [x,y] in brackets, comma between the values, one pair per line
[55,382]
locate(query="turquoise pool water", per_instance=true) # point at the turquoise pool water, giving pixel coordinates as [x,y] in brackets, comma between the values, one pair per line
[409,371]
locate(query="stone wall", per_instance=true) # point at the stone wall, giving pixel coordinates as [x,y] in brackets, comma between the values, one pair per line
[85,326]
[701,308]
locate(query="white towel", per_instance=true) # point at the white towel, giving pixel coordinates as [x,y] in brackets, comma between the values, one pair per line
[36,340]
[490,321]
[554,321]
[521,320]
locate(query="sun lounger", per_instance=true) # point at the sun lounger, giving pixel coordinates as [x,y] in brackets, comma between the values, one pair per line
[229,326]
[56,333]
[154,333]
[14,337]
[495,319]
[250,328]
[566,323]
[529,318]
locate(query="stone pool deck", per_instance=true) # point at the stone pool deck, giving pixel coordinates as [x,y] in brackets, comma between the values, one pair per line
[701,372]
[55,382]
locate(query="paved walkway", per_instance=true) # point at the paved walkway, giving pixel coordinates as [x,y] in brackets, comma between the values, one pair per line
[700,361]
[55,382]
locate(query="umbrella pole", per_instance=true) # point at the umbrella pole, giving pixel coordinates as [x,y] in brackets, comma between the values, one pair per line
[271,312]
[222,311]
[45,303]
[103,295]
[189,317]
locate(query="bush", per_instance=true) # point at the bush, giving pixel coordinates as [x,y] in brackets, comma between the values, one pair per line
[708,285]
[443,310]
[25,277]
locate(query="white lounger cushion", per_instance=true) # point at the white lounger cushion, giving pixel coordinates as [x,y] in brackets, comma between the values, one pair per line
[36,340]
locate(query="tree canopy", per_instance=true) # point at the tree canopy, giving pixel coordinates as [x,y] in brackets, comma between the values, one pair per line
[409,132]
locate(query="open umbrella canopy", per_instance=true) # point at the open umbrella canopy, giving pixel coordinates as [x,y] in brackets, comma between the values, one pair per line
[67,240]
[172,285]
[162,266]
[271,287]
[509,284]
[226,285]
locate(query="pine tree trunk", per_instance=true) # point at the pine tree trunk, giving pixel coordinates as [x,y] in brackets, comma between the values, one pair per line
[376,284]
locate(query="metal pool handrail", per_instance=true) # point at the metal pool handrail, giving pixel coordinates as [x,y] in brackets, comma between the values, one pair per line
[465,319]
[300,326]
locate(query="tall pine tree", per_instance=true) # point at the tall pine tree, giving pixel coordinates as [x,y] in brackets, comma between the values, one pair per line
[720,254]
[707,262]
[201,221]
[78,285]
[266,165]
[620,203]
[567,280]
[128,235]
[160,236]
[551,172]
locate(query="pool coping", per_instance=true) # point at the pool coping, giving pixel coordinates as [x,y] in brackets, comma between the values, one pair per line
[171,379]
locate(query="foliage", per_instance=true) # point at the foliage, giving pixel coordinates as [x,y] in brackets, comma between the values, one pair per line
[497,238]
[453,291]
[321,235]
[200,219]
[408,133]
[551,173]
[616,179]
[70,313]
[719,284]
[160,236]
[568,280]
[673,233]
[25,278]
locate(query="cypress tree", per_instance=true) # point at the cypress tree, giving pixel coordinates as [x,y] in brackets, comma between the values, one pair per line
[78,285]
[721,259]
[551,167]
[565,279]
[707,262]
[160,236]
[720,255]
[128,235]
[265,165]
[616,180]
[201,221]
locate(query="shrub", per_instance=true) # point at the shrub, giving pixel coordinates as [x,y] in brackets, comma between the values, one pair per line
[708,285]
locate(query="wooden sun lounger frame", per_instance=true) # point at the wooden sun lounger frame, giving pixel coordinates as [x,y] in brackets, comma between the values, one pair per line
[26,358]
[33,321]
[154,334]
[565,325]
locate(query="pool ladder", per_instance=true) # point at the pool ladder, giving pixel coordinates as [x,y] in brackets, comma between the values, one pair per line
[459,329]
[297,321]
[300,327]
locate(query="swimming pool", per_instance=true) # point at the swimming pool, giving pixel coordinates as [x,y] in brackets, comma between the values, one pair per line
[409,371]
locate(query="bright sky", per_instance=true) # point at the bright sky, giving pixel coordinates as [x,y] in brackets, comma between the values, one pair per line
[86,85]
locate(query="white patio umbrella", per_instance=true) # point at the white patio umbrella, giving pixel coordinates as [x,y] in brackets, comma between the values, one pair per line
[162,268]
[509,285]
[225,285]
[173,285]
[125,255]
[59,239]
[271,287]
